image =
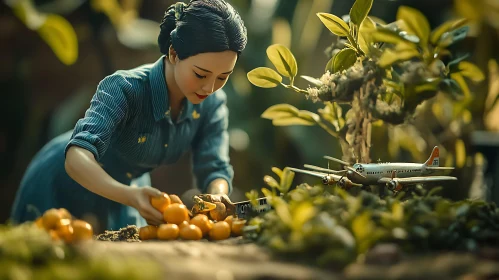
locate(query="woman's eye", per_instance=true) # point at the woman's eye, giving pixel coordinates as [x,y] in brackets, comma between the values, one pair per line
[223,79]
[199,76]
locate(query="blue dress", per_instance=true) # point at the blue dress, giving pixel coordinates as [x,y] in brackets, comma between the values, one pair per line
[129,130]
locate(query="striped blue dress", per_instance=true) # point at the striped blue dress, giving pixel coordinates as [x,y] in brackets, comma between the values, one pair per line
[129,130]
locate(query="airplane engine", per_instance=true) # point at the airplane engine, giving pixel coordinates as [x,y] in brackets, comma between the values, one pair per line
[394,185]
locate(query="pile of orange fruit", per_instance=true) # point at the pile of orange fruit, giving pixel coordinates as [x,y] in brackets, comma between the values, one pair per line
[210,221]
[61,226]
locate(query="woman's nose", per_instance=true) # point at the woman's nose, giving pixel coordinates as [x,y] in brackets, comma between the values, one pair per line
[208,87]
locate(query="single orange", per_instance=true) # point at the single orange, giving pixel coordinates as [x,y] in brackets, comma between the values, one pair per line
[220,231]
[65,213]
[175,199]
[202,222]
[229,220]
[191,232]
[219,213]
[148,232]
[65,230]
[51,218]
[161,202]
[183,224]
[237,227]
[82,230]
[176,214]
[39,222]
[168,232]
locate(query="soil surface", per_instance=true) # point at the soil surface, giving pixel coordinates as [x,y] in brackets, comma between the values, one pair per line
[236,258]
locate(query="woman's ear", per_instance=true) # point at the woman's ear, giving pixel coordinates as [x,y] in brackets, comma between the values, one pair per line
[172,55]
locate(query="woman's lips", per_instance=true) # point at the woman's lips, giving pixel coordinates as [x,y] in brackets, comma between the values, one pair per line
[201,96]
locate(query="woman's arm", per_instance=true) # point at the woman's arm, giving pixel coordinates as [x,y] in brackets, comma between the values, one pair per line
[81,165]
[83,168]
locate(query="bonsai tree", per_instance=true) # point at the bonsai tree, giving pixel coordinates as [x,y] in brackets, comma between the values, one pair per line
[376,73]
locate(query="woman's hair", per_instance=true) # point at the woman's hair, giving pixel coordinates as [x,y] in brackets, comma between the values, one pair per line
[202,26]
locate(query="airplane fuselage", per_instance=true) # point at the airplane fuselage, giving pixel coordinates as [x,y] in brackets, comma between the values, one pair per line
[374,171]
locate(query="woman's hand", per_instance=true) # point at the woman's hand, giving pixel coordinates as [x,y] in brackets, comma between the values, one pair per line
[140,199]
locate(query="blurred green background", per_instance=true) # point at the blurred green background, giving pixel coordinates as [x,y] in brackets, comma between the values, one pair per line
[54,53]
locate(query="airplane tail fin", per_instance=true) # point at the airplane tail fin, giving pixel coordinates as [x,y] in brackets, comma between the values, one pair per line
[434,159]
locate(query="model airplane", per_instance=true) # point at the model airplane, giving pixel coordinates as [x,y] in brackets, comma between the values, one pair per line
[394,175]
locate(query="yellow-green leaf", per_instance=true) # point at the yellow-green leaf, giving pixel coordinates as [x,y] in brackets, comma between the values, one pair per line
[283,60]
[278,172]
[287,180]
[264,77]
[335,24]
[471,71]
[462,83]
[285,115]
[309,116]
[460,153]
[389,36]
[360,10]
[344,59]
[415,22]
[60,35]
[291,121]
[271,182]
[302,214]
[279,111]
[282,210]
[445,27]
[389,57]
[397,211]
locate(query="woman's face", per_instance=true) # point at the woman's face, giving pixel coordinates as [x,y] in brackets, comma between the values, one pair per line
[200,75]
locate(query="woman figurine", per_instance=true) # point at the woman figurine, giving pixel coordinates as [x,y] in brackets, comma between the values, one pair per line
[142,118]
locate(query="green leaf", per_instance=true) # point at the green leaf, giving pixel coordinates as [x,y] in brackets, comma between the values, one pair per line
[416,23]
[264,77]
[335,24]
[452,37]
[313,81]
[344,59]
[329,65]
[285,115]
[389,57]
[453,66]
[283,60]
[360,10]
[446,27]
[471,71]
[452,88]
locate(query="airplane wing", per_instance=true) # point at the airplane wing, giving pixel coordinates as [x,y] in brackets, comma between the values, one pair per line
[308,172]
[417,180]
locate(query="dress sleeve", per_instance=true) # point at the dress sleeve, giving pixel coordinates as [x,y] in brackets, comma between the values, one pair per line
[107,110]
[211,146]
